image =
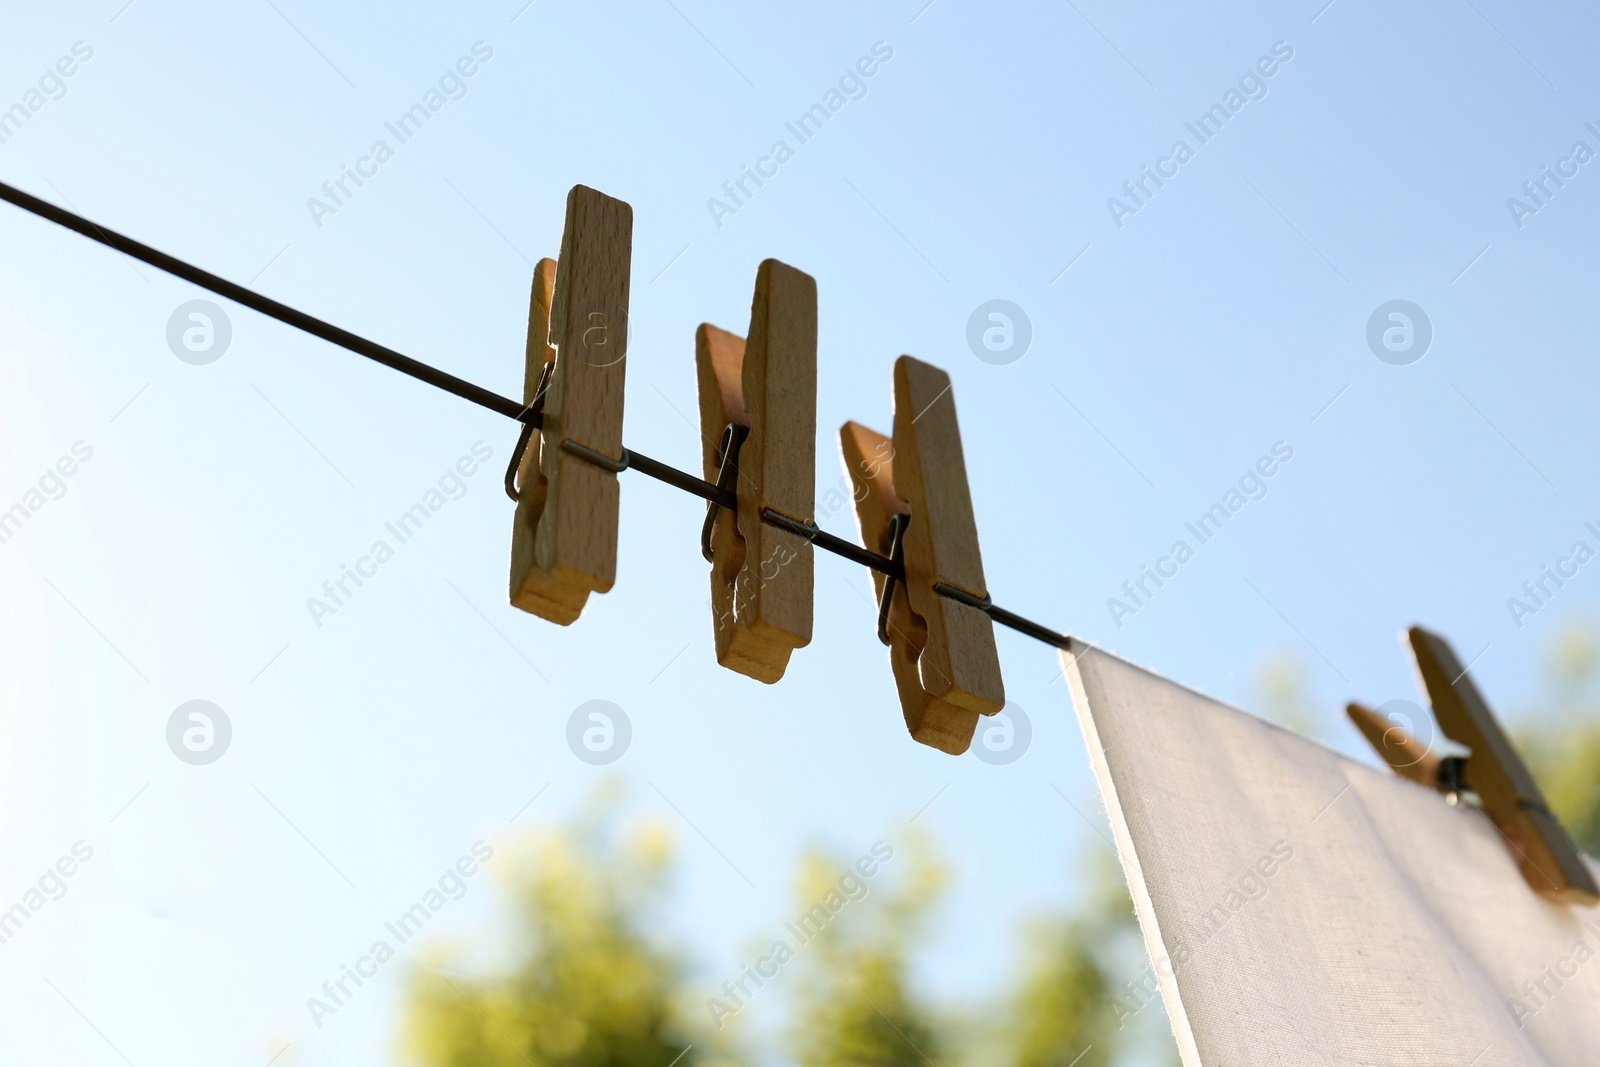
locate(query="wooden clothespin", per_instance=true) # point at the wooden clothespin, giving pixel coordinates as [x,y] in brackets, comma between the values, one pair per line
[1406,755]
[1505,789]
[758,418]
[913,504]
[564,540]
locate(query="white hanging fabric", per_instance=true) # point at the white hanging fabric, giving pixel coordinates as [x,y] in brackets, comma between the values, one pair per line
[1302,908]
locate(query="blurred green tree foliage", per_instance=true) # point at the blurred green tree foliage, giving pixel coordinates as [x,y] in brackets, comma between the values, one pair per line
[584,985]
[1561,738]
[854,1001]
[1070,1007]
[582,982]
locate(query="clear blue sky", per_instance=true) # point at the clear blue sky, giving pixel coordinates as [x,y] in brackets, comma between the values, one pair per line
[1170,353]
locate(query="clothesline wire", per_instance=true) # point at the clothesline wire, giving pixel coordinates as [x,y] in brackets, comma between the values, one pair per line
[485,398]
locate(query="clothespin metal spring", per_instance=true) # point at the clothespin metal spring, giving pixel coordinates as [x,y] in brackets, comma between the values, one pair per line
[528,415]
[535,409]
[894,536]
[733,436]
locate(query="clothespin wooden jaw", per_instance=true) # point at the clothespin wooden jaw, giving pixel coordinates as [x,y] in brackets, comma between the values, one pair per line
[1494,772]
[758,403]
[1407,756]
[564,538]
[941,649]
